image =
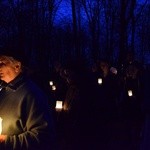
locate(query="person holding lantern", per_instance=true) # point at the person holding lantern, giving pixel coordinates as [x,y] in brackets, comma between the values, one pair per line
[26,122]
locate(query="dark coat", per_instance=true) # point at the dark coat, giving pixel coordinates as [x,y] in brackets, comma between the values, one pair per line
[26,119]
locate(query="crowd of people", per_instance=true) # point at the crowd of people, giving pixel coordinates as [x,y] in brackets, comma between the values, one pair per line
[102,106]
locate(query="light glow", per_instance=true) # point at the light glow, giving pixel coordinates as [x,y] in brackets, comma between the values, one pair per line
[100,81]
[1,125]
[53,87]
[59,105]
[51,83]
[130,93]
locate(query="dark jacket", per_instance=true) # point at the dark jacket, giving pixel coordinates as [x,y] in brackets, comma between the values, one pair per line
[26,118]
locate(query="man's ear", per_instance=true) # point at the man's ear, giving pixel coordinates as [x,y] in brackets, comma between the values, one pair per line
[18,66]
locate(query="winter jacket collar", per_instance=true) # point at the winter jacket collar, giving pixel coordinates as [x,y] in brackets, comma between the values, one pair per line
[14,84]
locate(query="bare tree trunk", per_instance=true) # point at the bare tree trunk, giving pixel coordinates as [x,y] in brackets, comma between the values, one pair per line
[123,27]
[76,46]
[92,10]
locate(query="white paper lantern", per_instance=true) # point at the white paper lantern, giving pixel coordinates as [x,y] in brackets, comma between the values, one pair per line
[53,87]
[51,83]
[130,93]
[59,105]
[100,81]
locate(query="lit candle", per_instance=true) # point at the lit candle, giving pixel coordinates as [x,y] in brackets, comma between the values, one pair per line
[130,93]
[1,125]
[59,105]
[100,81]
[51,83]
[53,87]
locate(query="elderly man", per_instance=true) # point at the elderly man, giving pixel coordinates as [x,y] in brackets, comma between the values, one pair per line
[26,123]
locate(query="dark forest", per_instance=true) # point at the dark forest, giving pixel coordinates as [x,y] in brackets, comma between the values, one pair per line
[93,29]
[93,58]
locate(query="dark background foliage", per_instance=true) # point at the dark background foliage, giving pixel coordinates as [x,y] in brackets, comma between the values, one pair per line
[45,31]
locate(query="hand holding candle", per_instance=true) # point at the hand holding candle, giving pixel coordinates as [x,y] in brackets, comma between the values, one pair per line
[2,138]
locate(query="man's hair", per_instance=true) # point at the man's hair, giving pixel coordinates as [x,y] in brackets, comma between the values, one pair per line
[10,59]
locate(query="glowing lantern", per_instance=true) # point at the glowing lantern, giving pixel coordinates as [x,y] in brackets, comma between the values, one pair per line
[53,87]
[51,83]
[1,125]
[100,80]
[130,93]
[59,105]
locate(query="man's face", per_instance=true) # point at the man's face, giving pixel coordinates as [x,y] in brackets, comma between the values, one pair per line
[104,66]
[9,68]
